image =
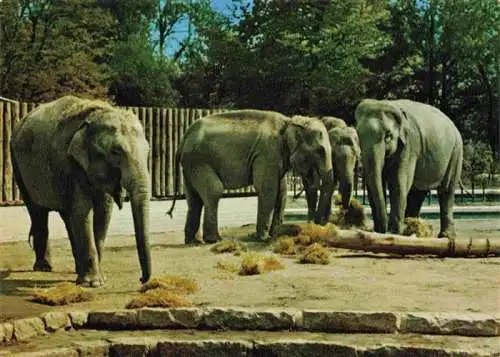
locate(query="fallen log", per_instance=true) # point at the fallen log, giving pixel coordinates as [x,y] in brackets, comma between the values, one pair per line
[398,244]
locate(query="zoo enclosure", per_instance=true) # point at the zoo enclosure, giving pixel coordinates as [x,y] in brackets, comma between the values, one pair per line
[164,128]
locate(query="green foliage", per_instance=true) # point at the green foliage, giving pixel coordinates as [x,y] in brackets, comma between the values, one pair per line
[51,48]
[297,57]
[140,77]
[478,159]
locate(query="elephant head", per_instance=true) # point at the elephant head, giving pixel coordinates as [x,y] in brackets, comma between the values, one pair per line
[333,122]
[345,155]
[382,129]
[310,157]
[108,145]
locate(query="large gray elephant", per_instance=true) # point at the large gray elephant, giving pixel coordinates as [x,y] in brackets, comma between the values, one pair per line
[74,156]
[412,147]
[239,148]
[345,156]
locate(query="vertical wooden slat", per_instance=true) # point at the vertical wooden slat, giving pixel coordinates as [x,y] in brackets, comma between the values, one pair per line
[163,152]
[15,119]
[2,143]
[149,136]
[180,134]
[157,152]
[7,164]
[170,152]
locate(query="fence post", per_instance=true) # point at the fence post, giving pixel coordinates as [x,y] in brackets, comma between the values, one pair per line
[163,152]
[156,129]
[16,195]
[2,143]
[7,164]
[170,153]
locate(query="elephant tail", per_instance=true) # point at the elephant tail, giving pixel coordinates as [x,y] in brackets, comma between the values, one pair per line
[176,180]
[462,187]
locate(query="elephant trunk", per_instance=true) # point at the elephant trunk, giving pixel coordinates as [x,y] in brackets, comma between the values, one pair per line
[373,163]
[138,191]
[325,198]
[345,189]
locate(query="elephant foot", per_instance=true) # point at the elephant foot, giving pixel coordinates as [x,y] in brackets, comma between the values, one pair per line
[42,265]
[212,239]
[90,280]
[446,234]
[193,242]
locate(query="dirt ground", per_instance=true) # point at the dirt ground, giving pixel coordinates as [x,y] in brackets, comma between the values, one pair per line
[352,280]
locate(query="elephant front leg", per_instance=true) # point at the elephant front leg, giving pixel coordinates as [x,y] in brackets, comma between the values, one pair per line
[279,210]
[81,224]
[399,184]
[312,200]
[102,215]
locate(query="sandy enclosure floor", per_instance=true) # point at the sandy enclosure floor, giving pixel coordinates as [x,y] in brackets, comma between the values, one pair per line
[352,280]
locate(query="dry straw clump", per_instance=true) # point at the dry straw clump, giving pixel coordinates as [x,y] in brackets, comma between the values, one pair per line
[354,216]
[255,263]
[315,233]
[172,283]
[167,291]
[417,227]
[315,254]
[285,245]
[61,294]
[227,267]
[229,246]
[159,298]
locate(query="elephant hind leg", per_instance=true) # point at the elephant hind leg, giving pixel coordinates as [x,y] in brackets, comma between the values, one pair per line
[446,201]
[414,202]
[40,233]
[195,205]
[210,188]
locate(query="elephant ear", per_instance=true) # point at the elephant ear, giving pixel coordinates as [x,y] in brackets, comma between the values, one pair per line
[77,148]
[372,107]
[345,136]
[69,139]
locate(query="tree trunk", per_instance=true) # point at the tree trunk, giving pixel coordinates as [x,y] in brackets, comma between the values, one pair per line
[397,244]
[493,125]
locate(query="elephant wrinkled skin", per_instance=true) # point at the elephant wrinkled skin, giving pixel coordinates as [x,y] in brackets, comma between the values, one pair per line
[75,156]
[413,148]
[249,147]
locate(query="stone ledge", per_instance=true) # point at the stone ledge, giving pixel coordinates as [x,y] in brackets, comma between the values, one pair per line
[151,346]
[464,324]
[250,319]
[350,321]
[450,324]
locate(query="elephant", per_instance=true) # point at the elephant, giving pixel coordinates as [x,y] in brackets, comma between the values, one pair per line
[76,156]
[412,147]
[345,156]
[333,122]
[239,148]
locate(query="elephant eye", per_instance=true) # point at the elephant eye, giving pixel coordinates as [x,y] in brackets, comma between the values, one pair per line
[116,151]
[388,136]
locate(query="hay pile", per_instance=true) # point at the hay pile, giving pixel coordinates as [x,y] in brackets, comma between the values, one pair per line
[255,263]
[229,246]
[311,243]
[315,254]
[168,291]
[354,216]
[417,227]
[61,294]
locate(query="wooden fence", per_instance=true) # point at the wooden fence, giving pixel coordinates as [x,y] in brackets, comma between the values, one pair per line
[164,128]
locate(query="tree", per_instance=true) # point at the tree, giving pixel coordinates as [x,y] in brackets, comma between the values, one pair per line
[306,56]
[54,48]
